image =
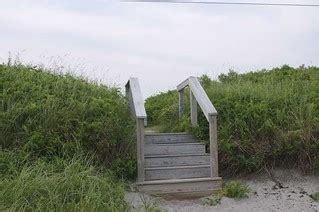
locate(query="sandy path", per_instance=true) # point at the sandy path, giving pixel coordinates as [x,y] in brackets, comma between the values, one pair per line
[263,196]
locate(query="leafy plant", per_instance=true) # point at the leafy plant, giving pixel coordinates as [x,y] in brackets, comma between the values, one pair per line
[235,189]
[315,196]
[213,200]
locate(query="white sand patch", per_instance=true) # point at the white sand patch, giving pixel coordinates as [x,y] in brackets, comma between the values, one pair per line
[263,196]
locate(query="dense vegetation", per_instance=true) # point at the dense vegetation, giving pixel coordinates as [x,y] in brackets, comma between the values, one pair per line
[65,142]
[57,132]
[73,184]
[266,118]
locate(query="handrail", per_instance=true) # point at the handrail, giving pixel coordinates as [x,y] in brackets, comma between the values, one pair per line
[133,92]
[136,102]
[198,95]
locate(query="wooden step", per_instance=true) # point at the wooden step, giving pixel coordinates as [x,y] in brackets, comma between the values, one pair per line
[181,188]
[168,138]
[174,149]
[177,160]
[177,172]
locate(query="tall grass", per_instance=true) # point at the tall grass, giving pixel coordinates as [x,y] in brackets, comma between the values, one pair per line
[64,142]
[57,185]
[47,114]
[266,118]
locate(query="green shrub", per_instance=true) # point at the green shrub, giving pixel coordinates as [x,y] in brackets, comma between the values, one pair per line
[315,196]
[269,117]
[57,185]
[235,189]
[315,166]
[213,200]
[50,114]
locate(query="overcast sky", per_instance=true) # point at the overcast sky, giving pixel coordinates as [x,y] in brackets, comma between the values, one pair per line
[161,44]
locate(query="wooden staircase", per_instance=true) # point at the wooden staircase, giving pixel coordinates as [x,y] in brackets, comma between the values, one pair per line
[174,165]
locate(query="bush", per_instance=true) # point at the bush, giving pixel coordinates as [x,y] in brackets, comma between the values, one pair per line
[213,200]
[235,189]
[57,185]
[50,114]
[269,117]
[315,196]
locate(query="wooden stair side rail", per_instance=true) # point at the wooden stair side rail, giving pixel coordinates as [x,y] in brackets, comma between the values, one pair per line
[136,102]
[199,96]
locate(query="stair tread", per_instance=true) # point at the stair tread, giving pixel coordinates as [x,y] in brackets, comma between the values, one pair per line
[177,167]
[177,155]
[201,179]
[159,134]
[174,144]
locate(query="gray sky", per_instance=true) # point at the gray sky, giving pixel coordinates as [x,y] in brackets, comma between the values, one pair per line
[161,44]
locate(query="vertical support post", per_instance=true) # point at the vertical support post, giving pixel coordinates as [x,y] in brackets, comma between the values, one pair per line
[213,146]
[140,149]
[193,104]
[127,90]
[181,103]
[129,98]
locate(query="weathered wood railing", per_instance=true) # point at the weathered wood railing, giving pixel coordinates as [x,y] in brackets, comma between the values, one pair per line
[198,95]
[136,102]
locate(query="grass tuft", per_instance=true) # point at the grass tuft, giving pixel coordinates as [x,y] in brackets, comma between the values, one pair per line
[58,185]
[235,189]
[213,200]
[315,196]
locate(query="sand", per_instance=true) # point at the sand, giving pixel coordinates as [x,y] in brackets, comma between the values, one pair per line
[264,196]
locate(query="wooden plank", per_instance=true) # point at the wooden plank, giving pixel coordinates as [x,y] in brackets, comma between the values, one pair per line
[179,195]
[182,85]
[177,160]
[193,104]
[129,98]
[134,95]
[169,138]
[159,134]
[181,103]
[213,146]
[137,100]
[202,98]
[167,149]
[140,149]
[197,93]
[181,172]
[180,186]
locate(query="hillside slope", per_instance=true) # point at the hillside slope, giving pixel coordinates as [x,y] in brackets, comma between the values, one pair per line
[59,136]
[265,118]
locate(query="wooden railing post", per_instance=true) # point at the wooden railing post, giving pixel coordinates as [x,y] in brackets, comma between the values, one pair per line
[181,103]
[213,146]
[134,95]
[193,104]
[199,97]
[140,149]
